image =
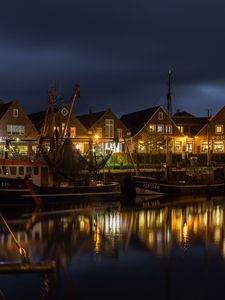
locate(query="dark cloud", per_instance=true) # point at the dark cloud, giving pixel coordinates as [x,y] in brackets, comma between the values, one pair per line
[119,51]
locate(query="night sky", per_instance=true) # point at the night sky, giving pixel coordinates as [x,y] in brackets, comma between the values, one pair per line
[118,51]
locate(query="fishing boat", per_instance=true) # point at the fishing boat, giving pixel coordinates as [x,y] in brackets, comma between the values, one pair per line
[60,173]
[197,179]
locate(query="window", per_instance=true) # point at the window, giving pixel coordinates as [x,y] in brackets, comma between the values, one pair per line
[160,115]
[204,146]
[15,129]
[218,146]
[15,113]
[119,133]
[169,129]
[109,128]
[181,128]
[219,129]
[21,170]
[99,132]
[72,132]
[152,128]
[178,146]
[160,128]
[13,170]
[63,126]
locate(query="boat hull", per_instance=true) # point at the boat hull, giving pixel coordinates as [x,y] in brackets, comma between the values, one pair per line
[23,191]
[148,185]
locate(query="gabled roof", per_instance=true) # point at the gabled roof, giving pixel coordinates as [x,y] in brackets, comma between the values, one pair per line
[4,108]
[136,121]
[200,121]
[182,114]
[90,119]
[37,119]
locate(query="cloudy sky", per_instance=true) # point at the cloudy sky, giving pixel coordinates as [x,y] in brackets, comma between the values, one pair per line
[119,51]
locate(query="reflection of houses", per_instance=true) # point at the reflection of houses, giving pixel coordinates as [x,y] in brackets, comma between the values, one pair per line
[105,130]
[77,131]
[149,130]
[17,133]
[189,125]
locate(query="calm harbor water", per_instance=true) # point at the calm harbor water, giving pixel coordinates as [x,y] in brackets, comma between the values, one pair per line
[161,249]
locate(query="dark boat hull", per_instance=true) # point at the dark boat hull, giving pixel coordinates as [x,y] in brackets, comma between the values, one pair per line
[23,191]
[148,185]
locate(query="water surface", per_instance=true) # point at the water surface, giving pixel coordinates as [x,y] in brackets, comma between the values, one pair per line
[161,249]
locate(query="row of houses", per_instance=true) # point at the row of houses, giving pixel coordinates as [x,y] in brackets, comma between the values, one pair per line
[145,131]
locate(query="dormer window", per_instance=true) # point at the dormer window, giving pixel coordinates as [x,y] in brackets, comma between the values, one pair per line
[15,113]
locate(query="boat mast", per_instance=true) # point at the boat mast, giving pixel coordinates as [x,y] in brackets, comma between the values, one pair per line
[169,110]
[169,106]
[208,140]
[65,133]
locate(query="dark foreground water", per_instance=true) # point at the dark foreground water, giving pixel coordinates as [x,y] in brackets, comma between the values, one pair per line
[158,249]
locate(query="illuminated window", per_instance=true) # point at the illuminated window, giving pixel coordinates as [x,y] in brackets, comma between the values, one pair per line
[109,128]
[169,128]
[218,146]
[178,146]
[15,129]
[15,113]
[160,115]
[219,129]
[181,128]
[72,132]
[204,146]
[160,128]
[63,126]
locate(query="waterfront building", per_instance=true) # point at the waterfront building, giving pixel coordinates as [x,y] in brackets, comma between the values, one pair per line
[152,130]
[105,130]
[189,125]
[18,136]
[77,132]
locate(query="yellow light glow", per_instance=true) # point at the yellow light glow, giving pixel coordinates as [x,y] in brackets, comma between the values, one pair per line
[96,136]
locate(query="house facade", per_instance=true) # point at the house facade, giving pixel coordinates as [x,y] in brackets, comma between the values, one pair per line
[189,125]
[76,131]
[18,136]
[153,131]
[212,134]
[106,131]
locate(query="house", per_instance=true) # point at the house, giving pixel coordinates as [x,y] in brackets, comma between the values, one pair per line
[17,132]
[189,125]
[150,129]
[212,134]
[105,130]
[77,132]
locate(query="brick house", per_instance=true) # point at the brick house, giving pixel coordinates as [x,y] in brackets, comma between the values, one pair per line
[189,125]
[212,134]
[17,132]
[77,132]
[150,129]
[105,130]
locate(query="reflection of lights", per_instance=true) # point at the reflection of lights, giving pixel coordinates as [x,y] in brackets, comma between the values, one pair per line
[113,223]
[224,248]
[151,238]
[141,220]
[217,235]
[185,231]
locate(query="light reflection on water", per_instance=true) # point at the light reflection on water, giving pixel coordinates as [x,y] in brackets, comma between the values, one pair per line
[152,248]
